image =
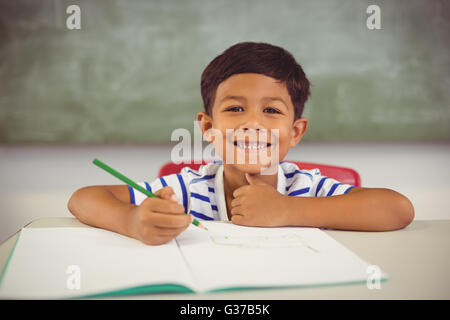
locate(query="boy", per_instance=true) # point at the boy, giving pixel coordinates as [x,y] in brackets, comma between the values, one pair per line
[249,88]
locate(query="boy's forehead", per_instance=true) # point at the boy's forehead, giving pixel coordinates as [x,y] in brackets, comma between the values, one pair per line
[251,83]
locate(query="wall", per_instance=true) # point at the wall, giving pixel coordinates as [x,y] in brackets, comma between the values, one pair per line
[132,73]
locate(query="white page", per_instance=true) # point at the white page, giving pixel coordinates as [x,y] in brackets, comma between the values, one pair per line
[107,261]
[235,256]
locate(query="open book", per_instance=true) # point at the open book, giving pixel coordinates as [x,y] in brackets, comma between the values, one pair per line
[90,262]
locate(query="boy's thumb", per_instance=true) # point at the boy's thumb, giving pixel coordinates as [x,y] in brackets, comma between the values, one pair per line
[254,180]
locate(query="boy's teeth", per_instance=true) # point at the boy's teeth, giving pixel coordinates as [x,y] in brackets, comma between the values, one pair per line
[252,146]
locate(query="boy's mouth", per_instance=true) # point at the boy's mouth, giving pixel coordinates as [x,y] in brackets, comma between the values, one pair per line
[254,145]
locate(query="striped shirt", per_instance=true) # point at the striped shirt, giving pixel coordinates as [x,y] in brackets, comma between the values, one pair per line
[201,191]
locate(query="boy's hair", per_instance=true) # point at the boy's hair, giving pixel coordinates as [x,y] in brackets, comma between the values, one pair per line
[253,57]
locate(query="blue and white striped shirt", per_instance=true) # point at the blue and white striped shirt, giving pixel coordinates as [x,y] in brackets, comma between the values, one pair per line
[202,194]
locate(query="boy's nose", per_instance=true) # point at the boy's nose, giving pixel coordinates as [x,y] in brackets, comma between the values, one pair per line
[252,123]
[250,129]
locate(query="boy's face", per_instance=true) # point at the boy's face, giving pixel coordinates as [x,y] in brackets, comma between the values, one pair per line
[253,119]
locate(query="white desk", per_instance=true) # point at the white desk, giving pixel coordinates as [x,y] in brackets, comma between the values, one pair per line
[416,258]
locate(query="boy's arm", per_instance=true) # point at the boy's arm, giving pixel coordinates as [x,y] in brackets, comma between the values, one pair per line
[363,209]
[155,221]
[106,207]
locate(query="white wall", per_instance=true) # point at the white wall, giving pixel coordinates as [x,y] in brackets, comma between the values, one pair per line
[38,181]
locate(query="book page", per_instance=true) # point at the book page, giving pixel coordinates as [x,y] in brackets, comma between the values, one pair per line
[231,256]
[73,262]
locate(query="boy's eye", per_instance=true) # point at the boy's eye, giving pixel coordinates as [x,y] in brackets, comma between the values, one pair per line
[234,108]
[272,110]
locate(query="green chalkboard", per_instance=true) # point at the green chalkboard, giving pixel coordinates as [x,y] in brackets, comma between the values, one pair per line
[131,74]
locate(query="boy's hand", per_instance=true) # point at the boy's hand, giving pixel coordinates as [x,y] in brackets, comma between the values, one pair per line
[258,204]
[157,221]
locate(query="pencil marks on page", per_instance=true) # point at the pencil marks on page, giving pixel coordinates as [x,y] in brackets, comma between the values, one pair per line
[287,240]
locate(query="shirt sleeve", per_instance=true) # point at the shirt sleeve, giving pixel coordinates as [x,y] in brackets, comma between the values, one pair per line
[323,186]
[176,181]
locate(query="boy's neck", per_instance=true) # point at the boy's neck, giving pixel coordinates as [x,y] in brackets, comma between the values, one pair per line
[234,179]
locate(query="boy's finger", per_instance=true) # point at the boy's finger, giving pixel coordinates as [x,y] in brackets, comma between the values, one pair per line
[240,191]
[165,193]
[238,219]
[162,220]
[164,206]
[169,194]
[236,202]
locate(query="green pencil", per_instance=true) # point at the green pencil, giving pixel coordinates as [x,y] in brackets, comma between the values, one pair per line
[135,185]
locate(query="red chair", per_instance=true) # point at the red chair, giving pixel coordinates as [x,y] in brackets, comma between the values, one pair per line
[342,174]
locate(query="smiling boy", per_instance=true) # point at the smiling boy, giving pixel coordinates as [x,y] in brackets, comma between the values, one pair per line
[251,89]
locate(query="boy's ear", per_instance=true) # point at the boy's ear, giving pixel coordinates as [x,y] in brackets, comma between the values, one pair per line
[298,130]
[205,123]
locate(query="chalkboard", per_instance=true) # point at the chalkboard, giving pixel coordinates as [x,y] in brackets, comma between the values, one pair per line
[131,74]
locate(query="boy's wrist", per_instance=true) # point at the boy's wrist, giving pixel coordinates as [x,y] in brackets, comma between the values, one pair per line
[298,213]
[129,221]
